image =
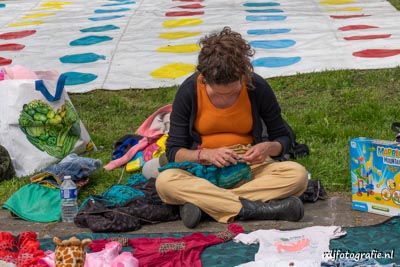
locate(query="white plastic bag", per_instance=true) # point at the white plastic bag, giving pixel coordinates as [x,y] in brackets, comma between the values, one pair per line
[38,123]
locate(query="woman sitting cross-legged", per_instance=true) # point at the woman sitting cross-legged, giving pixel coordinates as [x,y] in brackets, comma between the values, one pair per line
[217,120]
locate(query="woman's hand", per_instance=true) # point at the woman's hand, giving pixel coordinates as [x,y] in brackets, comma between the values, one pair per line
[220,157]
[260,152]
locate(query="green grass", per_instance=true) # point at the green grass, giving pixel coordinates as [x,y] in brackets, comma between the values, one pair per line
[326,110]
[395,3]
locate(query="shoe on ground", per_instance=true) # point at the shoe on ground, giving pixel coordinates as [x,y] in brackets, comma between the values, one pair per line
[190,215]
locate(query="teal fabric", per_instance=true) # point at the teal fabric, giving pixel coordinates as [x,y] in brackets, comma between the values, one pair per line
[36,203]
[383,237]
[114,196]
[225,177]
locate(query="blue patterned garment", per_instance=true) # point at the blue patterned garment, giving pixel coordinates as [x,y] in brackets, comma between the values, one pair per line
[225,177]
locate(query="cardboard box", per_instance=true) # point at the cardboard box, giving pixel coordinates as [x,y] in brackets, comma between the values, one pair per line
[375,175]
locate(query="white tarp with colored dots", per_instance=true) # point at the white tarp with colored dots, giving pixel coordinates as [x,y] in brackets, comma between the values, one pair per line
[119,44]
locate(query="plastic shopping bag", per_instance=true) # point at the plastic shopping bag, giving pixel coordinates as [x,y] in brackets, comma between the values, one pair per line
[38,124]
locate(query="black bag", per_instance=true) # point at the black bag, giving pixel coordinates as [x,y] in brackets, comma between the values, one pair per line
[6,168]
[314,192]
[396,128]
[296,149]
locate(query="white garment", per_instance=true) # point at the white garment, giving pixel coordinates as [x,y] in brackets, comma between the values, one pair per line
[303,247]
[6,264]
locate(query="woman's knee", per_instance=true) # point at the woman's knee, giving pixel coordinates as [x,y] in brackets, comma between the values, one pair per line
[300,176]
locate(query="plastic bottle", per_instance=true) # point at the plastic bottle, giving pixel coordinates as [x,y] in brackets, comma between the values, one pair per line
[69,203]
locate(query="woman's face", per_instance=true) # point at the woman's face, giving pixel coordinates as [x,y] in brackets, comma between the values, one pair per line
[226,89]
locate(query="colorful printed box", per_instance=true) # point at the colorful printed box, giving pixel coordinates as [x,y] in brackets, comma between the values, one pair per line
[375,175]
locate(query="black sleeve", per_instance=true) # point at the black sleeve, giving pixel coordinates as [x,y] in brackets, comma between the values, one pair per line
[270,113]
[179,135]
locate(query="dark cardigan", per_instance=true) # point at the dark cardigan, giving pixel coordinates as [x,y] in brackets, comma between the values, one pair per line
[265,110]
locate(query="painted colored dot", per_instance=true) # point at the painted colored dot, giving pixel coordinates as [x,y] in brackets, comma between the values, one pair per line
[74,78]
[189,0]
[16,35]
[120,4]
[349,16]
[2,5]
[275,62]
[11,47]
[272,44]
[336,2]
[173,71]
[179,48]
[267,31]
[261,4]
[101,11]
[377,53]
[367,37]
[351,9]
[27,23]
[106,18]
[37,15]
[5,61]
[90,40]
[100,28]
[265,18]
[271,10]
[181,22]
[55,4]
[191,6]
[356,27]
[177,35]
[82,58]
[183,13]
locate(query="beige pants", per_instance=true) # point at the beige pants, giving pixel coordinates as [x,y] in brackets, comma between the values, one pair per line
[270,181]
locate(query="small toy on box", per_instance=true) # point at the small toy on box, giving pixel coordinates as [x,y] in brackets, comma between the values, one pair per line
[375,175]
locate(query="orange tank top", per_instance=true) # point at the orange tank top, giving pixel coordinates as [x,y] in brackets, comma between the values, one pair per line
[223,127]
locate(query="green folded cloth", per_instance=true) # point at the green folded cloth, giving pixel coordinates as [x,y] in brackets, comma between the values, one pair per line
[36,203]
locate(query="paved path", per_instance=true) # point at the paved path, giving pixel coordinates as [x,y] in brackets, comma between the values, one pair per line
[336,210]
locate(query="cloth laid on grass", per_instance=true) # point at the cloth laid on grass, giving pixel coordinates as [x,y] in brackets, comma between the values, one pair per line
[382,237]
[124,208]
[35,202]
[154,127]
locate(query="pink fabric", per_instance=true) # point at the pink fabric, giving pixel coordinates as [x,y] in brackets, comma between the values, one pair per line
[125,259]
[173,252]
[48,260]
[110,257]
[127,156]
[149,151]
[20,72]
[150,135]
[146,130]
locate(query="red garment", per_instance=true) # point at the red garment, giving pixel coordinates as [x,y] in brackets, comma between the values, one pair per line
[22,250]
[173,252]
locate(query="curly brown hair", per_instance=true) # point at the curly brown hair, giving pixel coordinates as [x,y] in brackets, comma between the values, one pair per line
[225,58]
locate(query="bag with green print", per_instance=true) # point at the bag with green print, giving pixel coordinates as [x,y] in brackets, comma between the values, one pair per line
[39,126]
